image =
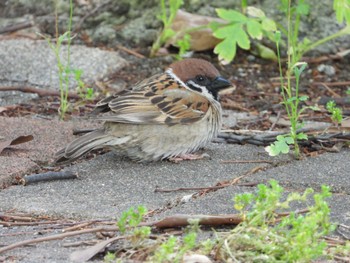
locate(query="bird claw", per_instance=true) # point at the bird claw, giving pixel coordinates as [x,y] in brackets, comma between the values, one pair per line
[189,156]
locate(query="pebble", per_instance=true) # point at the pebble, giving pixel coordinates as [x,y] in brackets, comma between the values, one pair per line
[327,69]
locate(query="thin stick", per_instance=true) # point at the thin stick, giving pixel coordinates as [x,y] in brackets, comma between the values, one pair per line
[247,161]
[216,187]
[79,226]
[333,84]
[336,95]
[132,52]
[40,92]
[275,122]
[16,27]
[49,176]
[56,237]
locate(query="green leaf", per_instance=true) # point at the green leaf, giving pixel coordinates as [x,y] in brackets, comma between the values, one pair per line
[266,52]
[231,15]
[302,8]
[225,32]
[254,29]
[288,140]
[290,100]
[242,38]
[278,36]
[342,10]
[303,98]
[214,25]
[268,24]
[302,136]
[255,12]
[279,146]
[226,50]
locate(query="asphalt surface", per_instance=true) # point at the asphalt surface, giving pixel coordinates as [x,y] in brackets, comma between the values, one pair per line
[109,184]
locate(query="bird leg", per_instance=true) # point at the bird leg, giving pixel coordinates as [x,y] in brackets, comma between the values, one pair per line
[189,156]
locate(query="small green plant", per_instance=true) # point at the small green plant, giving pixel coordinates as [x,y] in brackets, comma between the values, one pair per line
[167,18]
[336,112]
[297,238]
[64,69]
[173,249]
[263,235]
[130,221]
[184,45]
[237,30]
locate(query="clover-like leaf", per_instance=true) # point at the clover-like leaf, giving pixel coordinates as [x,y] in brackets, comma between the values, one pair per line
[226,50]
[304,98]
[242,38]
[255,12]
[302,136]
[254,29]
[231,15]
[268,24]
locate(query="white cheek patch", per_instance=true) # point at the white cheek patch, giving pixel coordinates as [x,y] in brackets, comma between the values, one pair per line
[203,90]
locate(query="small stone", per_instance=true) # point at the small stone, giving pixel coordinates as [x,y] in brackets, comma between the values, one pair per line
[326,69]
[251,58]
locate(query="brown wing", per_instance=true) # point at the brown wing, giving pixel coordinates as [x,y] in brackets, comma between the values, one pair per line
[160,99]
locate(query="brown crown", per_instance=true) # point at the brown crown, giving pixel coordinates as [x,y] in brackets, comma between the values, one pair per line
[190,68]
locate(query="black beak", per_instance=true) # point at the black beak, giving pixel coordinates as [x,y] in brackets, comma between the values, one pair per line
[220,83]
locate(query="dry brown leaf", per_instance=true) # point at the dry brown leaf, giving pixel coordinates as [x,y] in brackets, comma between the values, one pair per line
[2,109]
[18,140]
[202,39]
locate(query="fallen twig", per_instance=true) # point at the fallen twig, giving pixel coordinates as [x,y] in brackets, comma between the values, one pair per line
[334,94]
[16,27]
[336,56]
[167,222]
[332,84]
[8,217]
[56,237]
[49,176]
[264,138]
[132,52]
[79,226]
[219,185]
[207,220]
[40,92]
[246,161]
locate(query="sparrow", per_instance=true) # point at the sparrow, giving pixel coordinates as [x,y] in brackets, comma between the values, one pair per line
[169,115]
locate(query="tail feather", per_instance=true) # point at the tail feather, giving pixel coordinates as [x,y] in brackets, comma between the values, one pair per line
[82,145]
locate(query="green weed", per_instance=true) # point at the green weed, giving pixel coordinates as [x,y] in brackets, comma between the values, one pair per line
[167,18]
[336,112]
[64,69]
[238,29]
[297,238]
[263,236]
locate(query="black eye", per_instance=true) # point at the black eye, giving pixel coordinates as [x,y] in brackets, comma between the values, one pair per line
[200,78]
